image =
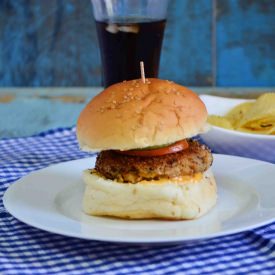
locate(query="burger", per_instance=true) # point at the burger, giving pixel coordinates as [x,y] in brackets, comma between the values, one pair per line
[148,166]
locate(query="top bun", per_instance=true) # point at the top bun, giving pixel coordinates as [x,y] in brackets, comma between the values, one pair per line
[131,115]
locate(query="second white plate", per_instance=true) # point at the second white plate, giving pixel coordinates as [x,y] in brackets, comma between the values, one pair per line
[50,199]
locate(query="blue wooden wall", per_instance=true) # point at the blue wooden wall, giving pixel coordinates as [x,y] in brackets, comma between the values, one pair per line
[207,43]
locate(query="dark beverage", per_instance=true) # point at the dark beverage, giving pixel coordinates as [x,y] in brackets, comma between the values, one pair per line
[125,44]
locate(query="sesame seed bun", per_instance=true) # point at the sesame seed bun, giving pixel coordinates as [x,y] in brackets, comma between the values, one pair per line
[133,114]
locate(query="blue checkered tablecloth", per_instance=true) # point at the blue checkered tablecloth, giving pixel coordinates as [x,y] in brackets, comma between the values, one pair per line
[27,250]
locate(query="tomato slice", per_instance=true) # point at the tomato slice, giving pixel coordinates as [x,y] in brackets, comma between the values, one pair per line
[170,149]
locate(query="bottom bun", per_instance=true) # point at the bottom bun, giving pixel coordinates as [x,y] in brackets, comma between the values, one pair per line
[164,199]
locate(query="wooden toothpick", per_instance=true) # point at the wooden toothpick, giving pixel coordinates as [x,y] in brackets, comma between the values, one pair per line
[142,72]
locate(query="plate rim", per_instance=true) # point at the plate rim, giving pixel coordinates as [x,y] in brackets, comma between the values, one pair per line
[130,240]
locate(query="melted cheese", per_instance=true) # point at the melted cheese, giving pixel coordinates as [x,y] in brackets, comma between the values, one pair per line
[183,179]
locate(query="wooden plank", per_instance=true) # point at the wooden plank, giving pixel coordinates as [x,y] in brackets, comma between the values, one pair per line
[245,43]
[30,111]
[186,56]
[48,43]
[54,43]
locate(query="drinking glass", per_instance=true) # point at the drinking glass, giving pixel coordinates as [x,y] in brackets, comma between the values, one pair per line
[129,31]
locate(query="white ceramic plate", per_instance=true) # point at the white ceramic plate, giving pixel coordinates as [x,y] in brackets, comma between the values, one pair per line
[50,199]
[232,142]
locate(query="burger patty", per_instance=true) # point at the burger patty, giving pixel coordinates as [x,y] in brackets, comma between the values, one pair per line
[123,168]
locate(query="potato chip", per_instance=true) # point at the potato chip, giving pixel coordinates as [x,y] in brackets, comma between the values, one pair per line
[219,121]
[256,117]
[261,115]
[237,113]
